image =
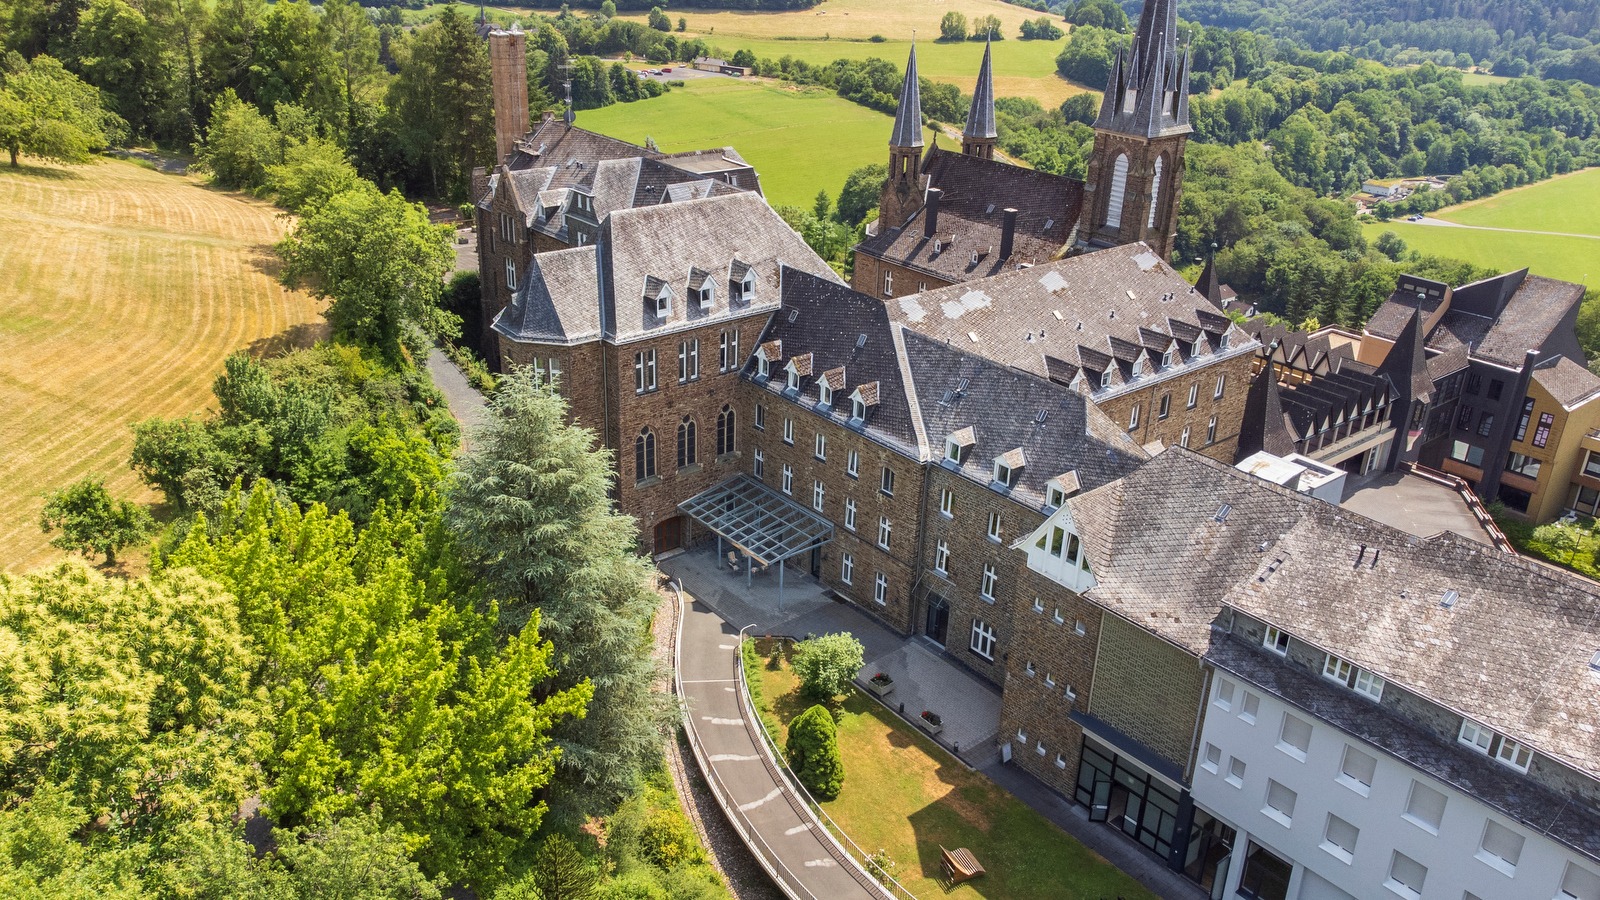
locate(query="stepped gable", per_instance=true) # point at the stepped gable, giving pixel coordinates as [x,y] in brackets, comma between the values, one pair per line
[1082,313]
[1163,560]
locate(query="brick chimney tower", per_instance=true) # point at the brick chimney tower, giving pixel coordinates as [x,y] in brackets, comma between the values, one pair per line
[508,69]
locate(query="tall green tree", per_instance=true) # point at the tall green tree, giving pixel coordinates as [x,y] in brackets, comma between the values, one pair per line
[530,510]
[47,112]
[93,522]
[353,39]
[813,752]
[381,263]
[443,101]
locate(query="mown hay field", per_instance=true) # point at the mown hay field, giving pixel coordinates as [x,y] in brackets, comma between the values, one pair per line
[125,289]
[1566,203]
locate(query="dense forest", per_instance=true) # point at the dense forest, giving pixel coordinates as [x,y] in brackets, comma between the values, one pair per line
[1552,38]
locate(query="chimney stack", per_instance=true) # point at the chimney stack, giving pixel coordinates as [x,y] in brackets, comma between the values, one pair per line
[1008,234]
[508,72]
[930,213]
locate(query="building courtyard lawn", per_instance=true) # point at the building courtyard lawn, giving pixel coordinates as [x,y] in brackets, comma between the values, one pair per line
[904,795]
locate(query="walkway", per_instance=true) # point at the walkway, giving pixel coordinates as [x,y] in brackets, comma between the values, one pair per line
[468,406]
[799,855]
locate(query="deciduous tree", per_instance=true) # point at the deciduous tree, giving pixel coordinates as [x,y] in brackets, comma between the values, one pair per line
[827,665]
[47,112]
[92,522]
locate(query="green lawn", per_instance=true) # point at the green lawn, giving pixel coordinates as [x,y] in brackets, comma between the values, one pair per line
[905,795]
[799,139]
[1567,203]
[1568,258]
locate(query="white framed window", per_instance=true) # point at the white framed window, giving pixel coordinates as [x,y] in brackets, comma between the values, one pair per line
[1029,670]
[947,503]
[763,365]
[1496,746]
[705,295]
[888,283]
[847,568]
[1249,707]
[952,451]
[886,482]
[1194,394]
[1500,848]
[1165,409]
[1211,431]
[664,303]
[1077,628]
[1038,604]
[760,420]
[852,464]
[1054,496]
[1280,803]
[1578,883]
[1049,680]
[850,514]
[885,532]
[1236,770]
[788,479]
[758,462]
[1294,737]
[1222,385]
[747,287]
[1513,754]
[858,407]
[1212,760]
[1105,379]
[1356,770]
[1424,807]
[880,590]
[792,377]
[1406,876]
[1061,761]
[1002,473]
[689,360]
[990,582]
[1055,615]
[644,371]
[820,446]
[982,639]
[1222,696]
[941,558]
[728,350]
[1353,677]
[1133,417]
[1276,641]
[824,393]
[1475,736]
[1198,347]
[788,430]
[994,526]
[511,274]
[1339,839]
[1169,357]
[1183,439]
[817,494]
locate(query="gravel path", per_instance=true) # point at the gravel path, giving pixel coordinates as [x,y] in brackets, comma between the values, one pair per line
[729,856]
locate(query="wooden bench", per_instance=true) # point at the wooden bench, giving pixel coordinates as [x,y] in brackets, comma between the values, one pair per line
[959,864]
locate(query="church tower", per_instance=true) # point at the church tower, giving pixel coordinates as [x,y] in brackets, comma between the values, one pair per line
[1136,170]
[902,192]
[508,70]
[978,138]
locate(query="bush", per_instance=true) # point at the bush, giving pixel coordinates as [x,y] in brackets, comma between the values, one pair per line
[813,752]
[91,521]
[828,665]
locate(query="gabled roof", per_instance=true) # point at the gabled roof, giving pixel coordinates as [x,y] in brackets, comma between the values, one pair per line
[1496,319]
[1569,383]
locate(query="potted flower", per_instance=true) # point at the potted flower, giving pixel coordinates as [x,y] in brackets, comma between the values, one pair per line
[880,684]
[931,722]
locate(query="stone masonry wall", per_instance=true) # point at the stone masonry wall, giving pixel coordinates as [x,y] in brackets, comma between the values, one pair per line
[1229,409]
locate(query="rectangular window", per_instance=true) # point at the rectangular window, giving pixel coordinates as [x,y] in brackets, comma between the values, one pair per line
[1475,736]
[994,526]
[1276,641]
[982,639]
[1222,696]
[689,360]
[1524,419]
[1280,803]
[1165,407]
[1474,382]
[1526,466]
[1183,439]
[1194,395]
[1500,848]
[511,275]
[852,465]
[1496,386]
[1339,839]
[1464,418]
[788,431]
[644,371]
[820,449]
[1222,385]
[1485,424]
[817,492]
[1211,431]
[1356,770]
[728,351]
[1424,807]
[761,417]
[1591,464]
[885,532]
[990,581]
[1406,876]
[1235,771]
[1513,754]
[887,484]
[1133,417]
[1578,883]
[1212,761]
[1353,677]
[947,503]
[1249,707]
[941,558]
[758,464]
[847,568]
[1461,451]
[1294,738]
[788,479]
[1541,435]
[850,514]
[880,590]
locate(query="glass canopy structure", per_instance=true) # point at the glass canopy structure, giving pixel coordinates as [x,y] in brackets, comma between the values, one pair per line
[764,526]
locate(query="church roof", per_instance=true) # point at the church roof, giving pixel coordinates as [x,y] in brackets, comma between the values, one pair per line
[1148,91]
[908,115]
[980,116]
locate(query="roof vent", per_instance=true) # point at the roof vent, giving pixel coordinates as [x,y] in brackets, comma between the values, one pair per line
[1450,598]
[794,314]
[1262,547]
[861,341]
[1039,419]
[1222,513]
[1594,662]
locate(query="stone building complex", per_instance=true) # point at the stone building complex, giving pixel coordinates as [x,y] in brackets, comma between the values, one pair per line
[1012,436]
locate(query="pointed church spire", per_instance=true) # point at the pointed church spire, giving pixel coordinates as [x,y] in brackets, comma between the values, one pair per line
[979,136]
[1147,95]
[908,116]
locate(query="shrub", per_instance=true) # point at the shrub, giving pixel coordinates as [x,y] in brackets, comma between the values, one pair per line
[91,521]
[828,665]
[813,752]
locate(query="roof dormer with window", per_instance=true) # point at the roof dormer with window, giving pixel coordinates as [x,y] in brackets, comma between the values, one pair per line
[831,381]
[862,400]
[957,445]
[658,297]
[741,282]
[799,367]
[1059,488]
[1008,468]
[766,356]
[701,290]
[1056,551]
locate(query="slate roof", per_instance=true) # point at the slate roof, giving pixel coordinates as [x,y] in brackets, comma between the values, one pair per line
[1316,352]
[1512,652]
[1497,319]
[994,411]
[908,114]
[1080,313]
[1213,289]
[1569,383]
[972,214]
[1156,73]
[839,328]
[583,293]
[980,115]
[1531,315]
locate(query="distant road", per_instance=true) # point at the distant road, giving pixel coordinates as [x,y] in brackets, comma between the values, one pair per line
[1429,220]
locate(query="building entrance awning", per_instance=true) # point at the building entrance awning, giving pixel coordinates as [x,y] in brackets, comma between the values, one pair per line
[761,523]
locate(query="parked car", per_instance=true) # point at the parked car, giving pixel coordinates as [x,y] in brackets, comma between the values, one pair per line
[1414,217]
[666,70]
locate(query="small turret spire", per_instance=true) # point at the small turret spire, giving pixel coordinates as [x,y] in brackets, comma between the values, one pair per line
[908,116]
[979,136]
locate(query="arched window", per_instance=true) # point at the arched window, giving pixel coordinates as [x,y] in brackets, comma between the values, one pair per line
[686,449]
[1155,192]
[644,455]
[1119,186]
[725,424]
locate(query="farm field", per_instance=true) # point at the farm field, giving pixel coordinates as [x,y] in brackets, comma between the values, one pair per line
[126,289]
[801,140]
[1568,258]
[1567,203]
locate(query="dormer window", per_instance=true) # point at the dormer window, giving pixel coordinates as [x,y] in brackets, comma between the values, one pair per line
[763,368]
[704,296]
[664,304]
[858,407]
[1169,357]
[861,399]
[952,451]
[1222,342]
[1054,496]
[824,394]
[955,446]
[658,294]
[1059,488]
[793,376]
[1105,379]
[1197,347]
[1007,466]
[747,287]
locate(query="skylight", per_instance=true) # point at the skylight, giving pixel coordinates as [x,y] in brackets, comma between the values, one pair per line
[1222,513]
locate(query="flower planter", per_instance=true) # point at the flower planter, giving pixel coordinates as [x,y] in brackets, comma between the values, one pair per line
[881,686]
[932,725]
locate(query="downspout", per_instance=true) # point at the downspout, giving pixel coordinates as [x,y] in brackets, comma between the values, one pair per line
[1199,715]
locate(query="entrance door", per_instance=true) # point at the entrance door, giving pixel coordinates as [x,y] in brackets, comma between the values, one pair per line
[669,534]
[938,619]
[1100,805]
[816,561]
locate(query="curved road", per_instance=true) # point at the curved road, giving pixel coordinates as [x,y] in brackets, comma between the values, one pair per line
[1445,223]
[800,856]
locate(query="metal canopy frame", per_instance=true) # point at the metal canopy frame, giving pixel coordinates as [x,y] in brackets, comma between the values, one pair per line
[761,523]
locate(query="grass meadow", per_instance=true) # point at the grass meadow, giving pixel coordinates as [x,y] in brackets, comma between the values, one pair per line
[1567,203]
[799,139]
[125,290]
[907,796]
